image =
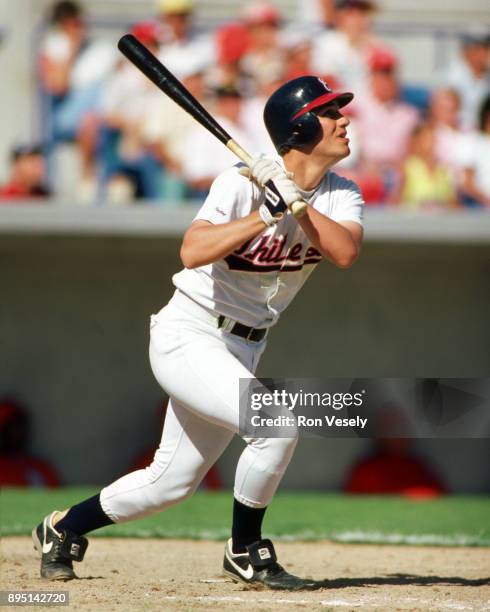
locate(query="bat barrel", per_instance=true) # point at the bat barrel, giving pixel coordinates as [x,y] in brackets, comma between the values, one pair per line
[151,66]
[142,58]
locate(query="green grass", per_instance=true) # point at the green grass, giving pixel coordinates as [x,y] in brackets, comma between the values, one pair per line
[449,521]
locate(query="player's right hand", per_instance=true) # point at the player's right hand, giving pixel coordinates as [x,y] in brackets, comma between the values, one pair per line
[287,188]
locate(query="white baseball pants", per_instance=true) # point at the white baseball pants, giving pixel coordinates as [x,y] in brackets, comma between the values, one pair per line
[199,366]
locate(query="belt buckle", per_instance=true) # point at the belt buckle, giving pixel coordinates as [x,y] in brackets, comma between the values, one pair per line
[227,325]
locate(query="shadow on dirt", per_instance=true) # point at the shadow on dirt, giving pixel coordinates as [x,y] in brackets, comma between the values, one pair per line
[395,580]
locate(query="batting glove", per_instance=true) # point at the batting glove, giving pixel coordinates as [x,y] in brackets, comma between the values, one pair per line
[280,194]
[263,169]
[287,188]
[280,190]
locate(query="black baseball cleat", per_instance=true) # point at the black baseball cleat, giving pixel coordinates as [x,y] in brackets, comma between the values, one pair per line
[58,550]
[258,567]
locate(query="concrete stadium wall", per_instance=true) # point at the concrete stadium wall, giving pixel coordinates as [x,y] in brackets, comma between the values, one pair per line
[74,316]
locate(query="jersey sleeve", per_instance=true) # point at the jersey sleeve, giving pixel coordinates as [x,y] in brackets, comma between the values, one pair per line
[347,201]
[231,197]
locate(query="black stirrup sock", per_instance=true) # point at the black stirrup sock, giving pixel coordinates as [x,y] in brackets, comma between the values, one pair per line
[247,526]
[84,517]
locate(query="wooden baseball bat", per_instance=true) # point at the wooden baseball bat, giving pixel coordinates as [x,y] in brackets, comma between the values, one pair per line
[150,66]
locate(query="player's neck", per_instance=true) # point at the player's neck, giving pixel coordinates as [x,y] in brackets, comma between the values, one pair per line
[308,172]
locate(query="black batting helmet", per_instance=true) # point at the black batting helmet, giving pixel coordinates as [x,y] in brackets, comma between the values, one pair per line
[288,113]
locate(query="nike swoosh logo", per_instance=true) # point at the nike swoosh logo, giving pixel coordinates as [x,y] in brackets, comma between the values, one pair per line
[247,574]
[47,546]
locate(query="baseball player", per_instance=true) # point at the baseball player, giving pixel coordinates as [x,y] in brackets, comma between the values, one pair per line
[245,258]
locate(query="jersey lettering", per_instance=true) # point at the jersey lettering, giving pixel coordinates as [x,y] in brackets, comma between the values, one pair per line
[269,255]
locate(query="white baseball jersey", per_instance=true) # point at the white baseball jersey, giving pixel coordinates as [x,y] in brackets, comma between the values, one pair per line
[256,282]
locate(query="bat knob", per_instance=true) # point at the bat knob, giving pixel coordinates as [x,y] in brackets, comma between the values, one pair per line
[299,208]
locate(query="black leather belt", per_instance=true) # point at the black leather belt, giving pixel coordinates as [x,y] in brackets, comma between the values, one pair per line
[249,333]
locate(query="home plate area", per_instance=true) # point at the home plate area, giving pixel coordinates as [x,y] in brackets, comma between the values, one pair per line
[159,574]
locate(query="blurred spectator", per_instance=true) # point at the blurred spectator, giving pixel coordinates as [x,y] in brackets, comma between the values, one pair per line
[252,111]
[72,69]
[385,123]
[298,48]
[232,42]
[264,56]
[393,469]
[206,157]
[370,181]
[180,40]
[445,115]
[344,52]
[476,161]
[426,184]
[61,47]
[249,52]
[17,467]
[316,12]
[127,166]
[27,174]
[469,74]
[166,127]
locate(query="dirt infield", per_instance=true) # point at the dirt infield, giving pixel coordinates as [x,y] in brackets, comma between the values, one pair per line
[133,575]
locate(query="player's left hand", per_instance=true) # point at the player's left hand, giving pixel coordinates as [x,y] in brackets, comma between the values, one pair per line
[264,169]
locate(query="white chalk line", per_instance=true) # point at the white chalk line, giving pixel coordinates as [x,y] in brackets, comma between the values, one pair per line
[261,600]
[345,537]
[426,539]
[339,603]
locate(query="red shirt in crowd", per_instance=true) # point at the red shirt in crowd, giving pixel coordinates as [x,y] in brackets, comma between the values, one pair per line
[12,191]
[387,474]
[24,471]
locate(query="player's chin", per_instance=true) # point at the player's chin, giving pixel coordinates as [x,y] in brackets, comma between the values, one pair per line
[345,145]
[343,151]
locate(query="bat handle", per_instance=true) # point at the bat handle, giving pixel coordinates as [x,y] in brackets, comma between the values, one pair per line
[297,208]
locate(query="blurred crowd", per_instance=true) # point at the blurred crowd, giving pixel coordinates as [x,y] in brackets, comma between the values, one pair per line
[412,147]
